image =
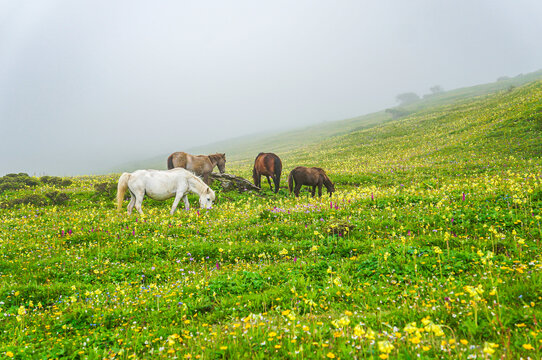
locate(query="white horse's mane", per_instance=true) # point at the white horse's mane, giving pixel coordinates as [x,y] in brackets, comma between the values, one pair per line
[200,183]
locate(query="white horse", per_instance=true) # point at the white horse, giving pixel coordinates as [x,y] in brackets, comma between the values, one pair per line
[162,185]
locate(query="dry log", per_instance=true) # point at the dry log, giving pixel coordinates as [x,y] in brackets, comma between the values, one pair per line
[231,182]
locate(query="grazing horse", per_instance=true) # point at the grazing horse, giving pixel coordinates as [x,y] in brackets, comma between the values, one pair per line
[201,165]
[162,185]
[269,165]
[312,177]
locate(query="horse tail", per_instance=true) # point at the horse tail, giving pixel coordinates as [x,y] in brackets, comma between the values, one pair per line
[278,171]
[121,189]
[291,181]
[170,162]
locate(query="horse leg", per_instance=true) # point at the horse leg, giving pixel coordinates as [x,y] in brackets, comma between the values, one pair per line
[296,189]
[256,177]
[186,203]
[132,203]
[178,197]
[139,201]
[320,190]
[269,181]
[313,190]
[206,178]
[276,180]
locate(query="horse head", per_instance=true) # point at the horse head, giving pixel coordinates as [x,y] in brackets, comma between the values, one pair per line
[329,185]
[206,198]
[221,163]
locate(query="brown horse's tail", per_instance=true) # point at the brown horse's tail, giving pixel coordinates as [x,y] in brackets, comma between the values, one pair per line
[170,162]
[278,171]
[121,189]
[291,181]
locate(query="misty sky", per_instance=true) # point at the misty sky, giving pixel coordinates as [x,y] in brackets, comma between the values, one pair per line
[88,85]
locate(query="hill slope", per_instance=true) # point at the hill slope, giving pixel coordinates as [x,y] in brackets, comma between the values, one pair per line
[245,148]
[473,135]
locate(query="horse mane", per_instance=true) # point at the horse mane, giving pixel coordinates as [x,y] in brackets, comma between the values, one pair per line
[196,177]
[216,156]
[196,181]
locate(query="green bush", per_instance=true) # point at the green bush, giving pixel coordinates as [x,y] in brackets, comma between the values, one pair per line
[32,199]
[57,197]
[105,189]
[55,181]
[17,181]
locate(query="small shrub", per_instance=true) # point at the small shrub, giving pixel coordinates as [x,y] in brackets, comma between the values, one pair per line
[105,189]
[57,197]
[17,181]
[55,181]
[33,199]
[397,112]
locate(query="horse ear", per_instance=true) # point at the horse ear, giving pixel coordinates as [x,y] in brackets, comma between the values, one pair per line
[208,191]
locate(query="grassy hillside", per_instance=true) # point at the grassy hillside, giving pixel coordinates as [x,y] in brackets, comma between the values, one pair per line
[246,148]
[429,249]
[471,136]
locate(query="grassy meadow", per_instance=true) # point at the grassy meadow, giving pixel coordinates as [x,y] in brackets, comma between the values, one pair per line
[431,248]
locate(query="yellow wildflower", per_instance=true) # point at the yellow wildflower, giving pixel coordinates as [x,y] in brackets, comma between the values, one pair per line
[385,346]
[358,331]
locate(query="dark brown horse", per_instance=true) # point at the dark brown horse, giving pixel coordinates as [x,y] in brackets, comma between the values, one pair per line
[269,165]
[309,176]
[201,165]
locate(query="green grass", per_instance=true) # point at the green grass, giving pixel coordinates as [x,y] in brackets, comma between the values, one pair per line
[430,248]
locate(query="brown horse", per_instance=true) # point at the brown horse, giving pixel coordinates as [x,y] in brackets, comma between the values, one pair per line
[312,177]
[269,165]
[201,165]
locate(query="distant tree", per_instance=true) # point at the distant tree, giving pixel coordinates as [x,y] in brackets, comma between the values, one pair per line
[397,112]
[437,89]
[407,98]
[503,78]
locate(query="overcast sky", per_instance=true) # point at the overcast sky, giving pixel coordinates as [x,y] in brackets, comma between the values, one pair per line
[87,85]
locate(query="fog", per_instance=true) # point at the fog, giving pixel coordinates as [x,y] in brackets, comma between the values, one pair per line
[88,85]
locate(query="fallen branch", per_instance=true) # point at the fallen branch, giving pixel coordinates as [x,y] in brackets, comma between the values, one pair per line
[231,182]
